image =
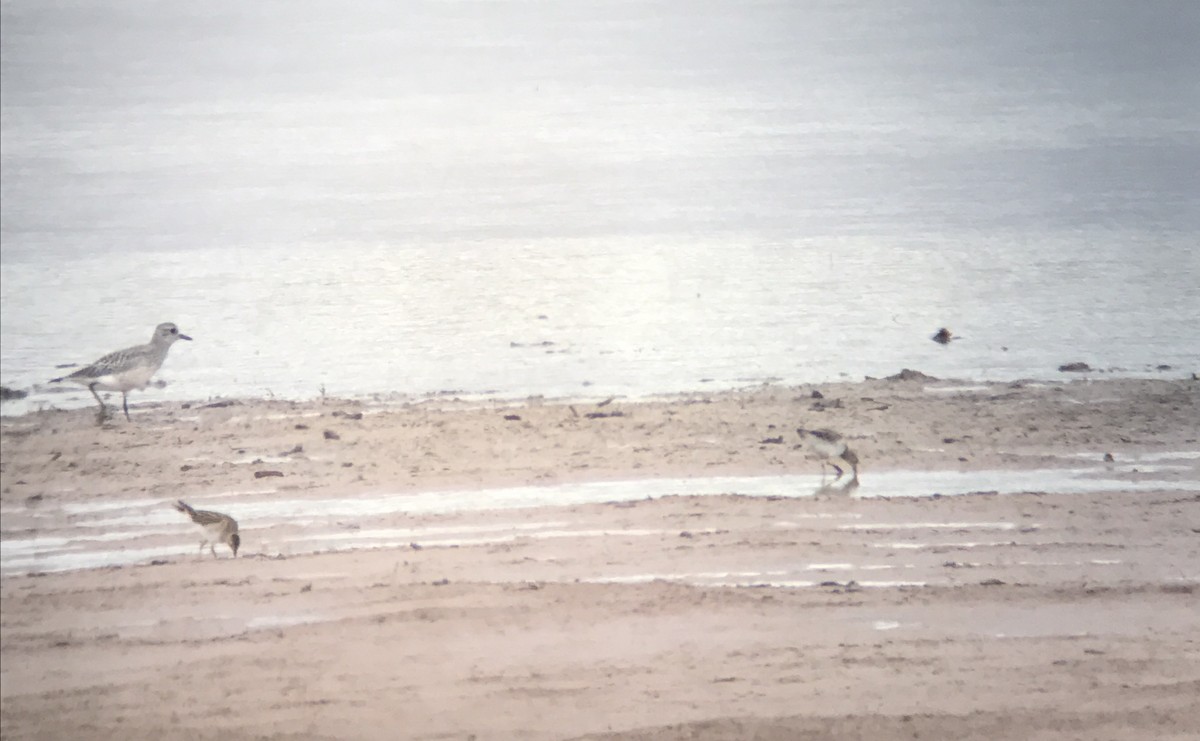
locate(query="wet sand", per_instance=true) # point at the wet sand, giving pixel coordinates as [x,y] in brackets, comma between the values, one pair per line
[446,568]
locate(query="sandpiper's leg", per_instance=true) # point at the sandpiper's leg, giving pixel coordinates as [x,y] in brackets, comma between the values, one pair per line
[103,409]
[125,405]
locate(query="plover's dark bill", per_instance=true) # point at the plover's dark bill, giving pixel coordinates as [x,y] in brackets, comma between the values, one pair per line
[128,369]
[216,527]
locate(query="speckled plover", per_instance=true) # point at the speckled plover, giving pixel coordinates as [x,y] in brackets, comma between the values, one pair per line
[128,369]
[216,527]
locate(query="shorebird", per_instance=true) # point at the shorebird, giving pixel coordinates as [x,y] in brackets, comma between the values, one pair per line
[217,528]
[830,446]
[128,369]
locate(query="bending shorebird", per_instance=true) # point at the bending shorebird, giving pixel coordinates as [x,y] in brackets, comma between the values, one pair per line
[128,369]
[217,528]
[830,446]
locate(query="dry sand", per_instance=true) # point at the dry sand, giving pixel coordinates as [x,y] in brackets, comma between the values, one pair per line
[803,612]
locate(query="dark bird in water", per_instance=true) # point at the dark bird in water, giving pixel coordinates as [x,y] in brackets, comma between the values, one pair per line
[943,336]
[214,526]
[830,446]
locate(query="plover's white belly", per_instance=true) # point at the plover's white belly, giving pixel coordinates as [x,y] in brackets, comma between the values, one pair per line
[828,449]
[127,380]
[212,533]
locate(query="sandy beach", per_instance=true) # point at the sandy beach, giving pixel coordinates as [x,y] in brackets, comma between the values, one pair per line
[1016,560]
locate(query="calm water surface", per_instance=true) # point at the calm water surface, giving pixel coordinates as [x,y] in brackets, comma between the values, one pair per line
[528,197]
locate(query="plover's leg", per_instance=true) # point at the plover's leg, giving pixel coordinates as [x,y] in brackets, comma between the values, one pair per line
[213,547]
[125,405]
[103,409]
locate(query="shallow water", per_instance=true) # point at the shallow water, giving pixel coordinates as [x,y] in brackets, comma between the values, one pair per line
[108,533]
[604,199]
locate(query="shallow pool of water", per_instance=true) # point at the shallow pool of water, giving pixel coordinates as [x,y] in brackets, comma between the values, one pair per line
[105,533]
